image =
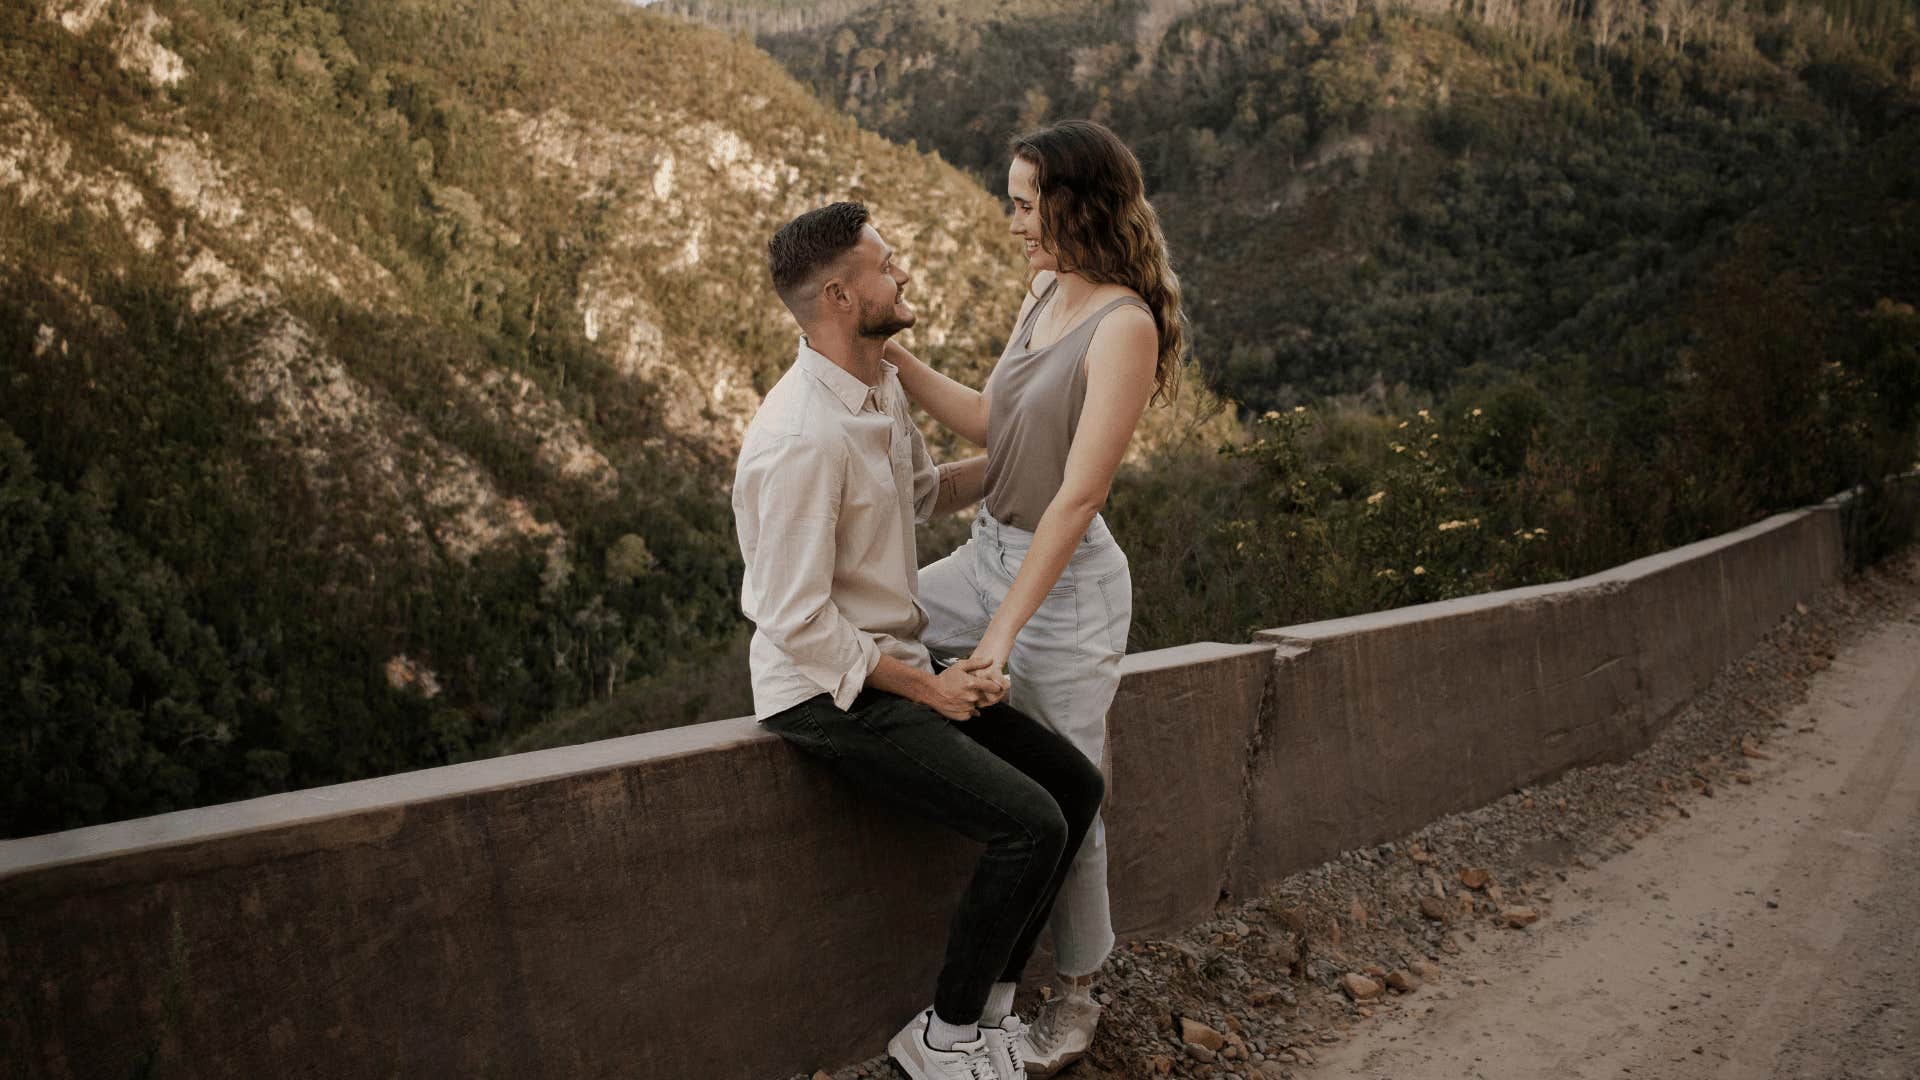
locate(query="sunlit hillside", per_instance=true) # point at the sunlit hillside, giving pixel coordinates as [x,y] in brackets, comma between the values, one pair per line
[373,371]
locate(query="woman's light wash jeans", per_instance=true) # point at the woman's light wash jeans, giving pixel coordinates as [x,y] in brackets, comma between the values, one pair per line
[1065,667]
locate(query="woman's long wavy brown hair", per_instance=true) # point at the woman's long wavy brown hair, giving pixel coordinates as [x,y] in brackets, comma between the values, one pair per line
[1095,218]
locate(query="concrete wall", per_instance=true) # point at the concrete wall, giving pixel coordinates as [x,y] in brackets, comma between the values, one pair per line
[703,903]
[1381,723]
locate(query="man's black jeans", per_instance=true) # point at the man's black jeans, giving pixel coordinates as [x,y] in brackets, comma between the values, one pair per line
[1000,778]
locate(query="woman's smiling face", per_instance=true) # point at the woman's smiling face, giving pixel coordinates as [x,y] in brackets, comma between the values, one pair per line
[1023,193]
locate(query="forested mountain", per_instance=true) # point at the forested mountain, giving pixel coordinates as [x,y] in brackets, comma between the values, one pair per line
[373,371]
[1408,190]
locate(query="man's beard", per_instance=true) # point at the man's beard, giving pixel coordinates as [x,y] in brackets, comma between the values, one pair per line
[883,322]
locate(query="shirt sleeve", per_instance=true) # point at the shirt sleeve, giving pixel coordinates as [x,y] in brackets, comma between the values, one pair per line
[786,508]
[926,477]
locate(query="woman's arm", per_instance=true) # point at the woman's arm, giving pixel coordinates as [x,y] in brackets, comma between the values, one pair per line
[962,483]
[961,409]
[1121,362]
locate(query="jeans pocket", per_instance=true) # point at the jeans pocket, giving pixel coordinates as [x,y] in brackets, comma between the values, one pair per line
[1116,595]
[803,729]
[1010,563]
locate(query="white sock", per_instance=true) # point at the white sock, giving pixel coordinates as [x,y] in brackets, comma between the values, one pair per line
[999,1002]
[944,1036]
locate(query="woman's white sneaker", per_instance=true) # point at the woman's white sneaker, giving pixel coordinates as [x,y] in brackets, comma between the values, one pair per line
[1059,1035]
[967,1061]
[1007,1039]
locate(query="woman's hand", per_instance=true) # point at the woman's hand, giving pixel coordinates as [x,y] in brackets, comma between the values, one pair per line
[992,655]
[960,409]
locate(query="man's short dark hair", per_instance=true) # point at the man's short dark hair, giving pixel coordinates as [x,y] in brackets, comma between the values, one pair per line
[810,242]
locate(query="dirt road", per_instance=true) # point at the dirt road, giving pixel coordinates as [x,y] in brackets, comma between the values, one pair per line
[1775,933]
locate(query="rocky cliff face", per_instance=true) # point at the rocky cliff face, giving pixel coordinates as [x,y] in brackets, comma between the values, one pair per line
[629,225]
[373,370]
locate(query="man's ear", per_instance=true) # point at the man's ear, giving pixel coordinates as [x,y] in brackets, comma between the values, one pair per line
[836,295]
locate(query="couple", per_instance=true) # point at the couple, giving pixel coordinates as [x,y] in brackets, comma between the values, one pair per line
[1034,608]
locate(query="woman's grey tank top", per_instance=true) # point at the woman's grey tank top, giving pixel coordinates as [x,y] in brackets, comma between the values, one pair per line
[1037,395]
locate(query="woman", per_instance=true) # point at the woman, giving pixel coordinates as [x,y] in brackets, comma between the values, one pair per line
[1042,590]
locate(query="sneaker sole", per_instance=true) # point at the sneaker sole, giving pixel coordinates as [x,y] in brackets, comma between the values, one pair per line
[1033,1072]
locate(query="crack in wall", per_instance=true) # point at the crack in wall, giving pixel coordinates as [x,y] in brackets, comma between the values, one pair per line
[1263,719]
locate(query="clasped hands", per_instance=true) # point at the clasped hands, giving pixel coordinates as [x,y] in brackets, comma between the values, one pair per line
[969,685]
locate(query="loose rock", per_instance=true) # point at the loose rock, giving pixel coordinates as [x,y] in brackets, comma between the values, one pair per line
[1194,1033]
[1359,987]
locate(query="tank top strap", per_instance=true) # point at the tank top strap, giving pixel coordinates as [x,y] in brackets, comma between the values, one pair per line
[1092,322]
[1025,332]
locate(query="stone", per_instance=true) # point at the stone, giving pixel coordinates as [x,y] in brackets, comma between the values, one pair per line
[1195,1033]
[1201,1053]
[1357,912]
[1426,969]
[1752,751]
[1474,877]
[1404,981]
[1295,919]
[1359,987]
[1520,916]
[1373,971]
[821,1074]
[1161,1065]
[1433,908]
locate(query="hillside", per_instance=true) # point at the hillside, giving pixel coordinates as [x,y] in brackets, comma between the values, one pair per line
[374,370]
[1358,193]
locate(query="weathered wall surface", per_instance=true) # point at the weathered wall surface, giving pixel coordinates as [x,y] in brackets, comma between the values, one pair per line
[1381,723]
[704,903]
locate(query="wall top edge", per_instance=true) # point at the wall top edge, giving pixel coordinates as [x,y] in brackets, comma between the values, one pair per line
[296,808]
[1625,573]
[312,805]
[1198,652]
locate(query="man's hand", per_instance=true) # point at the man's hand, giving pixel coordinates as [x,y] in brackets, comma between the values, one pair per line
[959,692]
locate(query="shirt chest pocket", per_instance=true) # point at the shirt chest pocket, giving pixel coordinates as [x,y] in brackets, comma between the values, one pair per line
[870,483]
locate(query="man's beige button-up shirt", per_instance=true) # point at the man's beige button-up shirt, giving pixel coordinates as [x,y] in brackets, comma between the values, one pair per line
[832,477]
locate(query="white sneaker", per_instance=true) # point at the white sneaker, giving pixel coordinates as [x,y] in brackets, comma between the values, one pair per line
[1060,1035]
[967,1061]
[1006,1038]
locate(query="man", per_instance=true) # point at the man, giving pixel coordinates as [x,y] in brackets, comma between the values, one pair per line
[832,477]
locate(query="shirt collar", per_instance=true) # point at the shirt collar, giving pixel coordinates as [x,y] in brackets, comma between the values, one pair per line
[850,391]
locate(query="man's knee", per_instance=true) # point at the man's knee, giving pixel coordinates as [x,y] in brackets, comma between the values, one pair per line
[1044,824]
